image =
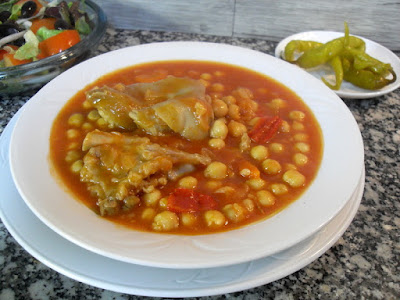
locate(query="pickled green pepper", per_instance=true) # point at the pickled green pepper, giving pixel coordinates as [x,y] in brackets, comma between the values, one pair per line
[347,57]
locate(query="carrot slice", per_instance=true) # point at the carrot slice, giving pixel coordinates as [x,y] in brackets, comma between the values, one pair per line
[247,169]
[188,200]
[265,129]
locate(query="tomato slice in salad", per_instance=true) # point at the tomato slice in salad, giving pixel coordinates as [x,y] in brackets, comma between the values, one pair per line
[10,60]
[59,42]
[45,22]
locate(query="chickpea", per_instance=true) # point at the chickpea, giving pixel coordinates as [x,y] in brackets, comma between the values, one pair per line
[93,115]
[253,121]
[297,115]
[87,126]
[149,189]
[276,148]
[188,219]
[256,183]
[101,122]
[265,198]
[229,100]
[271,166]
[302,147]
[77,166]
[226,190]
[216,170]
[246,173]
[165,221]
[152,198]
[234,212]
[72,156]
[294,178]
[297,126]
[72,133]
[148,214]
[220,108]
[236,129]
[214,218]
[163,202]
[131,201]
[248,204]
[285,127]
[279,188]
[253,105]
[245,142]
[76,120]
[188,182]
[259,152]
[277,104]
[300,159]
[86,104]
[206,76]
[213,185]
[73,145]
[219,130]
[205,83]
[243,93]
[214,96]
[219,73]
[290,167]
[301,137]
[216,143]
[234,112]
[217,87]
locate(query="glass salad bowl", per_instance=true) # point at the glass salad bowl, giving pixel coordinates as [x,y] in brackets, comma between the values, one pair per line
[33,75]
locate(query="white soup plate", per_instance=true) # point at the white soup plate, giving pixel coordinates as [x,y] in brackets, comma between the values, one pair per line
[337,179]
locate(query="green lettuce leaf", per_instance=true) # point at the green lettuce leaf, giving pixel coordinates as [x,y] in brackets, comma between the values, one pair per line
[44,33]
[30,49]
[82,26]
[7,5]
[15,11]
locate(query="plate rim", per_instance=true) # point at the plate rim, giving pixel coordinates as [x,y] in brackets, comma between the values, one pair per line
[343,94]
[149,261]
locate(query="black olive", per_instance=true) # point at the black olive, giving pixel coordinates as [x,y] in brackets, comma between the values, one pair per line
[7,29]
[4,15]
[19,42]
[61,25]
[28,9]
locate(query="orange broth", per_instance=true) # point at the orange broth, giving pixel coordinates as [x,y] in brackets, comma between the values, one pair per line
[264,89]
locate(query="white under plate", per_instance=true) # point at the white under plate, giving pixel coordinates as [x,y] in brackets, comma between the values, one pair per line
[347,90]
[90,268]
[337,178]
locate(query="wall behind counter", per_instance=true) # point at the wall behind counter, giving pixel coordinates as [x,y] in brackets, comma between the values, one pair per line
[377,20]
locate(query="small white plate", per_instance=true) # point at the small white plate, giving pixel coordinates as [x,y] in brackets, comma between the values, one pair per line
[347,90]
[338,176]
[96,270]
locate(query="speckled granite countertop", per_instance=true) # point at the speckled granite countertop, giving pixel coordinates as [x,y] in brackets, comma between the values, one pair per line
[363,264]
